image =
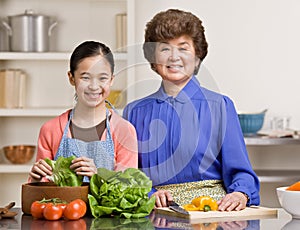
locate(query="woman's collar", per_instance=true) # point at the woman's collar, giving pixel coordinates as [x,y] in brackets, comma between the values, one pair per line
[184,95]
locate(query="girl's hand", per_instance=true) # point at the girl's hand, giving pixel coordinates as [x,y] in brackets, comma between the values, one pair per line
[84,166]
[233,201]
[39,170]
[161,198]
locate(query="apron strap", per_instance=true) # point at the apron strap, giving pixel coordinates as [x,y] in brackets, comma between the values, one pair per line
[108,134]
[112,106]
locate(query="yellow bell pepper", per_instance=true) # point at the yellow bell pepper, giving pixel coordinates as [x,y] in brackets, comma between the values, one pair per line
[202,203]
[205,203]
[190,207]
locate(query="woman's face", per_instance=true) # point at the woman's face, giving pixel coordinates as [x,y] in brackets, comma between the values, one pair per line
[92,80]
[176,59]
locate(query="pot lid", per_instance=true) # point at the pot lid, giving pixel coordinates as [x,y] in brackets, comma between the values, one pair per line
[28,13]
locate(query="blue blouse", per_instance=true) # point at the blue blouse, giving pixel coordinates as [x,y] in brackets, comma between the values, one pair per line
[194,136]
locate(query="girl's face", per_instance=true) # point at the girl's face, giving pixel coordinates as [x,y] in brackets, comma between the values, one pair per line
[176,59]
[92,80]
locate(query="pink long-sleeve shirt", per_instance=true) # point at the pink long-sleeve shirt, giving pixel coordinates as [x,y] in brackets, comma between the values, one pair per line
[123,135]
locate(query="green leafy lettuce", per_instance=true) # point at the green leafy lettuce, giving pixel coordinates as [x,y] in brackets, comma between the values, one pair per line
[123,194]
[62,175]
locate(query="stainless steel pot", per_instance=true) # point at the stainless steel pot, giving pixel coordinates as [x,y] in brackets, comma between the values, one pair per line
[4,41]
[29,32]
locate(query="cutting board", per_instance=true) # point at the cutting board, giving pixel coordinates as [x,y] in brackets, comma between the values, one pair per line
[249,213]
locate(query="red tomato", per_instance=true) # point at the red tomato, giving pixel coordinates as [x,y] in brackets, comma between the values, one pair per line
[53,212]
[81,202]
[62,205]
[75,210]
[37,209]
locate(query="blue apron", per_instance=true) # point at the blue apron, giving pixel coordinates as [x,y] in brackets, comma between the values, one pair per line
[102,152]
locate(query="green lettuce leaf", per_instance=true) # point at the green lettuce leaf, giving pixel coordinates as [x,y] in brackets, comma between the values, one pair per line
[62,174]
[123,194]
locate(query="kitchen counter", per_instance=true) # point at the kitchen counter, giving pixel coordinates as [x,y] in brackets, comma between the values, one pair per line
[154,221]
[267,141]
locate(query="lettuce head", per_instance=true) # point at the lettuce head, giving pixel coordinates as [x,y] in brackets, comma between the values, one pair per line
[123,194]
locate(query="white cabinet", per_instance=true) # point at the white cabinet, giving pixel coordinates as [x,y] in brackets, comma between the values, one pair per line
[48,90]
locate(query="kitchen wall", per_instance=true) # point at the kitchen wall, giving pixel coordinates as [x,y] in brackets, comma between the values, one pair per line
[253,51]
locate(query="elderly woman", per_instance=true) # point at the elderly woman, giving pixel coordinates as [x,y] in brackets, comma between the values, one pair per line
[190,140]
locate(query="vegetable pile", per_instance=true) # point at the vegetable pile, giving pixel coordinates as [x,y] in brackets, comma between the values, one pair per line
[55,209]
[62,174]
[123,194]
[202,203]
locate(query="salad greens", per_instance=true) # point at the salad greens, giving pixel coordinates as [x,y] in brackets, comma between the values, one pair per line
[123,194]
[62,174]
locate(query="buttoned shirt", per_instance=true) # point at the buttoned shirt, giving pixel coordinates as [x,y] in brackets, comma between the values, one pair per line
[191,137]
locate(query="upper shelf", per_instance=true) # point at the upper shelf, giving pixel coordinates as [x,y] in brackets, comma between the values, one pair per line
[258,140]
[47,56]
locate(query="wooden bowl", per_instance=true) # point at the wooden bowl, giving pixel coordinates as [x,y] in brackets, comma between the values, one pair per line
[19,154]
[37,191]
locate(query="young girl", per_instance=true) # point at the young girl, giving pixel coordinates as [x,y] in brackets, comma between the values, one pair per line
[94,134]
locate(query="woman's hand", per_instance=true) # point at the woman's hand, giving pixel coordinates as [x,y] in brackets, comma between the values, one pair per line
[233,201]
[39,170]
[161,198]
[84,166]
[159,221]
